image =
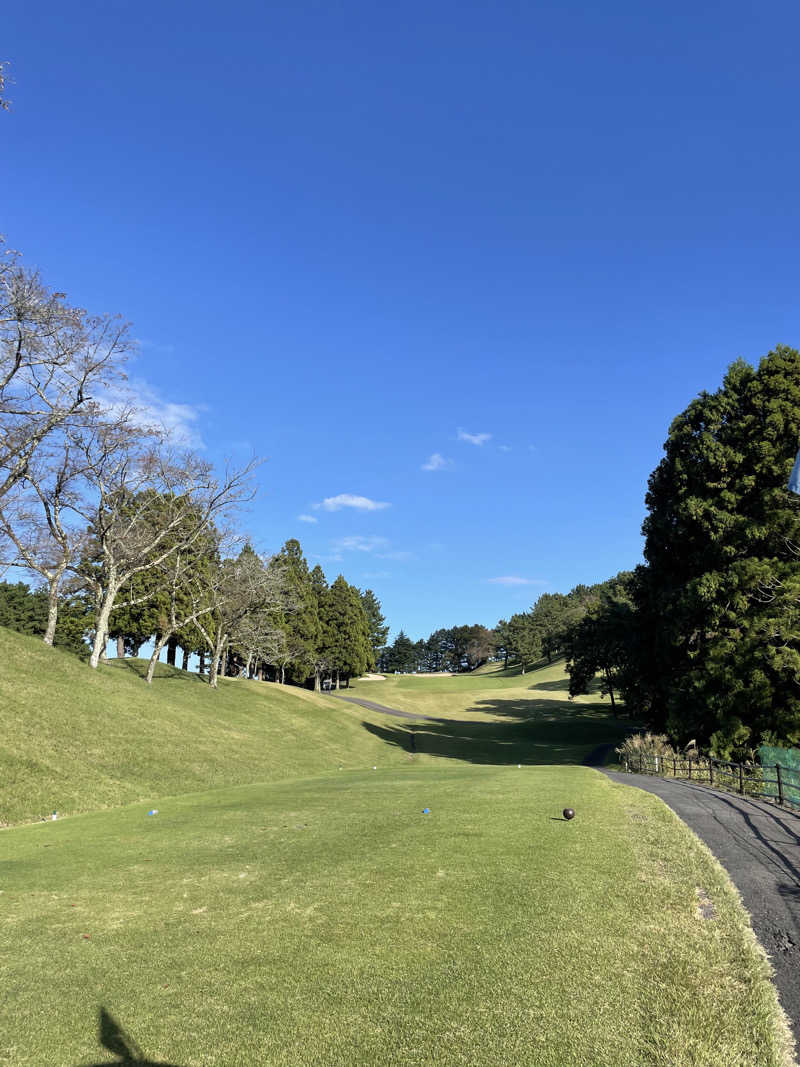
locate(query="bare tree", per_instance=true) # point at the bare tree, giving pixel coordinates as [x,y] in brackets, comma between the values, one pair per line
[54,362]
[151,503]
[281,654]
[189,587]
[256,638]
[247,588]
[38,517]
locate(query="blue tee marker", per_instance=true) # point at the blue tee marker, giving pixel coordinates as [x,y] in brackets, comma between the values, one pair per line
[426,811]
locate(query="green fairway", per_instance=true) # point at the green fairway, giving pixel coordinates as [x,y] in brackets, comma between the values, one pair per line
[323,921]
[299,913]
[77,740]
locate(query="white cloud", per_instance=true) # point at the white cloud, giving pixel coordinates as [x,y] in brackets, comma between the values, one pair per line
[348,500]
[308,518]
[474,438]
[437,462]
[357,543]
[513,579]
[379,547]
[504,448]
[150,411]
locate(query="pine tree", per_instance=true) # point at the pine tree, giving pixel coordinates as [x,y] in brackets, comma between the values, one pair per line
[378,630]
[718,603]
[301,625]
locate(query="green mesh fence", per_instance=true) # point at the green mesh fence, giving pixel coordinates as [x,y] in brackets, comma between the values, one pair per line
[789,759]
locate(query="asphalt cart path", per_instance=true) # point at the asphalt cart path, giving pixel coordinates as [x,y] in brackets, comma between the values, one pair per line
[759,846]
[381,707]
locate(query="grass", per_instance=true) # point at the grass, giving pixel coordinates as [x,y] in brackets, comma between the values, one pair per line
[316,916]
[74,740]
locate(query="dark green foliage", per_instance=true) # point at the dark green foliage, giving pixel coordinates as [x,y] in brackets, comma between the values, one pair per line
[301,626]
[401,655]
[719,602]
[25,610]
[378,630]
[21,609]
[601,639]
[344,642]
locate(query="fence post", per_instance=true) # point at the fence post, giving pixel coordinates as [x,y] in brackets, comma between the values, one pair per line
[656,764]
[741,779]
[780,783]
[674,767]
[710,770]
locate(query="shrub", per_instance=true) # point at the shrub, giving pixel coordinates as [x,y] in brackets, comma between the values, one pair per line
[640,746]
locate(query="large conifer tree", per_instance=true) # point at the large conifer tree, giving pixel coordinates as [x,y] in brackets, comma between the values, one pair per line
[719,600]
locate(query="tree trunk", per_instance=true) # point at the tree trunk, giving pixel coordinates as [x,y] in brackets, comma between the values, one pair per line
[185,663]
[120,647]
[215,661]
[260,674]
[172,648]
[283,674]
[317,682]
[337,679]
[610,690]
[101,633]
[224,669]
[202,666]
[52,609]
[247,665]
[151,666]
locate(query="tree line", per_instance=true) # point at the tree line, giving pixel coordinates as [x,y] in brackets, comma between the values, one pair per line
[132,538]
[703,638]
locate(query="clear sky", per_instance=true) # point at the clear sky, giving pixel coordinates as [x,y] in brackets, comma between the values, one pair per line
[463,260]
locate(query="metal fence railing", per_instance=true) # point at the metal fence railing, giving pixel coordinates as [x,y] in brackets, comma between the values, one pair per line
[774,782]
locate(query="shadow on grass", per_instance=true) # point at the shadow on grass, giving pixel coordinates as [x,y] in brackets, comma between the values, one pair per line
[128,1053]
[164,672]
[536,732]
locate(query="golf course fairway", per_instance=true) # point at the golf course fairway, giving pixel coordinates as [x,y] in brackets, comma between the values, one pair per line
[324,919]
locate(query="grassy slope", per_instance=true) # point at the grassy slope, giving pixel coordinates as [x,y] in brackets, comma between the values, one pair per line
[316,916]
[75,740]
[496,717]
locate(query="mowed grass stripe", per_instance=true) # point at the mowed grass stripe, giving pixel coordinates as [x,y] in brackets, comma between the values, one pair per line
[328,921]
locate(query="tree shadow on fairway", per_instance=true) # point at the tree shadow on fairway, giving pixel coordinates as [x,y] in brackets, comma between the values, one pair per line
[535,732]
[128,1053]
[164,673]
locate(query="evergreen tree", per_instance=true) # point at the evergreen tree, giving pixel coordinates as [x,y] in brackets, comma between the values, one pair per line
[378,630]
[301,625]
[401,656]
[345,634]
[718,603]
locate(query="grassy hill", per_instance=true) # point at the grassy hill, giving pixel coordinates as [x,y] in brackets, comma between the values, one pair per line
[73,739]
[79,740]
[435,909]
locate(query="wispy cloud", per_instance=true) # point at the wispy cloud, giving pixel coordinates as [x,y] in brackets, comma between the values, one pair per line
[474,438]
[437,462]
[379,547]
[349,500]
[357,543]
[308,518]
[154,346]
[504,448]
[150,410]
[514,579]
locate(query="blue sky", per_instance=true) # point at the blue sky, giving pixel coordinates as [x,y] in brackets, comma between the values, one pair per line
[352,237]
